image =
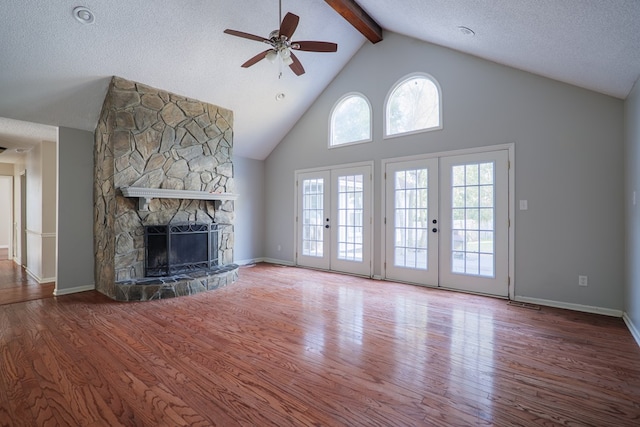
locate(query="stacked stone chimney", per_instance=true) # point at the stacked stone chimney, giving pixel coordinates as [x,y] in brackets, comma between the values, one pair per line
[151,138]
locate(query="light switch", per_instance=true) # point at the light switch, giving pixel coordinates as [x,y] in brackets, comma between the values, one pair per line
[524,205]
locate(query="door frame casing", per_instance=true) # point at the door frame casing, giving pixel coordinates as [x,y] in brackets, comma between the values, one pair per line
[510,148]
[296,191]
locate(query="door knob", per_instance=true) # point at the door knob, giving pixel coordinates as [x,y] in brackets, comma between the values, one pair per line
[326,226]
[435,221]
[435,230]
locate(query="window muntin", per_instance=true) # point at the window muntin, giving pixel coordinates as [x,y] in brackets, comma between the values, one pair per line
[413,105]
[350,121]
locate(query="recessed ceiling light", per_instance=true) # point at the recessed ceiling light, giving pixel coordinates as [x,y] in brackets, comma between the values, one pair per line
[466,31]
[83,15]
[280,96]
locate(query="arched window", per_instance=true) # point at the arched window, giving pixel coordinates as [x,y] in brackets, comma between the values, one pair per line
[413,105]
[350,121]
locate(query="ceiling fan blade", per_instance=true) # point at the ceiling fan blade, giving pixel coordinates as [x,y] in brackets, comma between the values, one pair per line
[296,66]
[289,25]
[255,59]
[245,35]
[314,46]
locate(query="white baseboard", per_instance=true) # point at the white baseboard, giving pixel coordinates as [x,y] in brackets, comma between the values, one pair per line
[570,306]
[278,261]
[249,261]
[39,279]
[632,328]
[57,292]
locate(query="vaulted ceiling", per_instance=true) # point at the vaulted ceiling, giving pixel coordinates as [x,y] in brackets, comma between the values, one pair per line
[55,70]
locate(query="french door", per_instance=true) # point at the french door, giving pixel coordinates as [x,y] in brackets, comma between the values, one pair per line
[333,230]
[447,222]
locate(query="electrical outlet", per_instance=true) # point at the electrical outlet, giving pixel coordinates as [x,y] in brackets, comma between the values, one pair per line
[583,281]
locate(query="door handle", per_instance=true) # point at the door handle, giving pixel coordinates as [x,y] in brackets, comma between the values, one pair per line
[326,226]
[435,230]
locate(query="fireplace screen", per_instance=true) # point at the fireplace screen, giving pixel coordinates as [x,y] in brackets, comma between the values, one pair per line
[179,248]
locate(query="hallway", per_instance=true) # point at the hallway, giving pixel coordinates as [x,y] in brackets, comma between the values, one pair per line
[17,286]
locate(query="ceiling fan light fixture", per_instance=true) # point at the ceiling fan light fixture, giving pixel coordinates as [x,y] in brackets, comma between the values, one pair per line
[287,60]
[271,56]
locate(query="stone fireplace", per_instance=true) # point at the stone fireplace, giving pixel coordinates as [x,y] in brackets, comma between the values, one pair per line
[161,160]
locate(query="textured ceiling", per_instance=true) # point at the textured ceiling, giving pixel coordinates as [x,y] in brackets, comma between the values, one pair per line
[55,71]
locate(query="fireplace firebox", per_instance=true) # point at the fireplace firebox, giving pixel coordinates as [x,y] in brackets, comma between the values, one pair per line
[178,248]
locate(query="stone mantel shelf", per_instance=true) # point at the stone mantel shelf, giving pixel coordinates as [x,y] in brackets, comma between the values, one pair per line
[146,194]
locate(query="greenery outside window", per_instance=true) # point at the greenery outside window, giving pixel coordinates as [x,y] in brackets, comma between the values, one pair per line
[350,120]
[413,105]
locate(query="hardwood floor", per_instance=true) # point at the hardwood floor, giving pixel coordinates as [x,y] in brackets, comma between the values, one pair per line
[17,286]
[291,347]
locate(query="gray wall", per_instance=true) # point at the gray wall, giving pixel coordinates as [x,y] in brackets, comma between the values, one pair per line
[632,156]
[75,209]
[569,157]
[249,209]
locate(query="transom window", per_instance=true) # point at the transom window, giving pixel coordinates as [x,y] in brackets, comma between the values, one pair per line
[413,105]
[350,121]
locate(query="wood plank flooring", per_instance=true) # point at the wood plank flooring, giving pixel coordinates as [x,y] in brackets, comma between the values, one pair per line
[293,347]
[17,286]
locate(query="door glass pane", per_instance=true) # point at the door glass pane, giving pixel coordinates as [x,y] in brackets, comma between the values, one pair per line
[312,216]
[411,218]
[350,217]
[472,214]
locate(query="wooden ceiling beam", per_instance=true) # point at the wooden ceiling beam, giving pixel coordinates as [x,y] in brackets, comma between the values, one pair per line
[356,16]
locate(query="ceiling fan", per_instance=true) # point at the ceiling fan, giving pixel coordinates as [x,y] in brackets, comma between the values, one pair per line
[281,44]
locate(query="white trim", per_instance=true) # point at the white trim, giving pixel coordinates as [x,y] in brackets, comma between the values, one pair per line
[400,81]
[249,261]
[461,152]
[340,166]
[337,103]
[57,292]
[39,279]
[632,328]
[570,306]
[511,148]
[278,261]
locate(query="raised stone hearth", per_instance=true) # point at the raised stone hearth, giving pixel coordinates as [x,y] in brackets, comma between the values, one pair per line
[148,138]
[147,289]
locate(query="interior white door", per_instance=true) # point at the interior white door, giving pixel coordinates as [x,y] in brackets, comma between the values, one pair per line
[447,222]
[411,217]
[334,220]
